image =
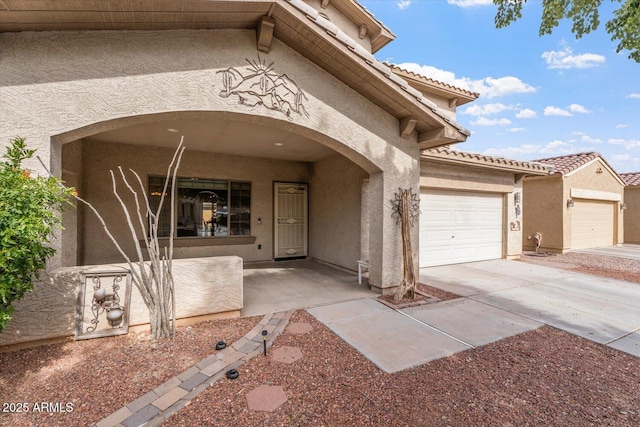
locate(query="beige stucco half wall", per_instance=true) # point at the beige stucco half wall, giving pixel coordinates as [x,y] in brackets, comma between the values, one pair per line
[203,286]
[61,87]
[546,209]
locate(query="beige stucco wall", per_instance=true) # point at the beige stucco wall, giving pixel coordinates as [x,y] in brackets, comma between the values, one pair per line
[542,211]
[100,157]
[455,177]
[632,214]
[545,205]
[335,206]
[50,310]
[57,87]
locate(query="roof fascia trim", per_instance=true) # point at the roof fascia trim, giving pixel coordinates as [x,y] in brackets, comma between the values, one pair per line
[605,164]
[483,165]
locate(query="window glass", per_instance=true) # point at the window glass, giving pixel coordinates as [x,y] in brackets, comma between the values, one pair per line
[204,207]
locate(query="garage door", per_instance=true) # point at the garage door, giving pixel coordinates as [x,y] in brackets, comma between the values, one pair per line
[592,223]
[459,227]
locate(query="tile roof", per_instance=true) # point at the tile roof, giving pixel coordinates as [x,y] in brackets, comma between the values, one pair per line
[483,160]
[631,178]
[332,30]
[570,162]
[434,82]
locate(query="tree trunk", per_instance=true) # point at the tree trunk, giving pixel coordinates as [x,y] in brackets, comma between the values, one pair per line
[408,285]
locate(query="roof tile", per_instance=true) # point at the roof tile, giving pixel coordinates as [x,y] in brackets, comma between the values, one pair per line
[481,158]
[570,162]
[631,178]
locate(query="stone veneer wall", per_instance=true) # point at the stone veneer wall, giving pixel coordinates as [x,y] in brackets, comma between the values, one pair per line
[203,286]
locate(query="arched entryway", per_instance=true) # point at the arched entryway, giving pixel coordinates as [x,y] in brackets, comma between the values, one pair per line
[254,169]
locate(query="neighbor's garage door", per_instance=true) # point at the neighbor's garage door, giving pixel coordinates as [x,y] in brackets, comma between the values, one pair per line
[591,223]
[459,227]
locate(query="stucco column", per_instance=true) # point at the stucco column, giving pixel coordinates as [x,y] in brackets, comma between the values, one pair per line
[365,209]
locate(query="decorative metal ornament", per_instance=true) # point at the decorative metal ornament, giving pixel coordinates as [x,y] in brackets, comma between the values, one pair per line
[258,85]
[414,206]
[103,304]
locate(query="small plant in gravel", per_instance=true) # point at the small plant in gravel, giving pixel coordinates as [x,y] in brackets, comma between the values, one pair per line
[30,209]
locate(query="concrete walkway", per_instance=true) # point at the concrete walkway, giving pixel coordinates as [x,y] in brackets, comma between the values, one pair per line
[500,299]
[399,339]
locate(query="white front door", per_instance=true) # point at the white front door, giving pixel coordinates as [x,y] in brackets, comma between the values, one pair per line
[291,225]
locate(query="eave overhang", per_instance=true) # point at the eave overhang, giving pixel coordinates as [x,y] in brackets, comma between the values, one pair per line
[462,158]
[297,24]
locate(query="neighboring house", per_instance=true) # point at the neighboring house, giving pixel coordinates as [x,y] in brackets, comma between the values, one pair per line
[632,204]
[578,207]
[296,136]
[471,206]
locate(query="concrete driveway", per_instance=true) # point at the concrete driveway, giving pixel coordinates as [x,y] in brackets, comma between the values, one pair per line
[603,310]
[621,251]
[500,299]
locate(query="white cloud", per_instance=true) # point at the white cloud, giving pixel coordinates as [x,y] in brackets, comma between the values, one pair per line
[483,121]
[586,138]
[503,86]
[523,151]
[629,144]
[526,114]
[622,126]
[623,162]
[577,108]
[565,59]
[516,129]
[634,96]
[485,110]
[403,4]
[488,86]
[470,3]
[556,147]
[556,111]
[531,151]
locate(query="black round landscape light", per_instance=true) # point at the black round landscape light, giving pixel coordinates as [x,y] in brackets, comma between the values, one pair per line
[232,374]
[264,341]
[220,345]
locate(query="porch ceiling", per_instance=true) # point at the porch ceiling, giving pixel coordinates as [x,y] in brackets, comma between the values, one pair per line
[221,136]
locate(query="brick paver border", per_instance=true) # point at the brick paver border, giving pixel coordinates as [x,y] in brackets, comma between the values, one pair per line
[158,405]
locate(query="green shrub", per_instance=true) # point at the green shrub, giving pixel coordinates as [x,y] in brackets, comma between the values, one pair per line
[29,213]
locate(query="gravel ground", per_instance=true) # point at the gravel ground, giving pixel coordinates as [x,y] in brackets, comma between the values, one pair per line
[542,377]
[600,265]
[99,376]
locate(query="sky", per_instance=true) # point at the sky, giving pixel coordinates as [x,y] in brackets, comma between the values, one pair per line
[539,96]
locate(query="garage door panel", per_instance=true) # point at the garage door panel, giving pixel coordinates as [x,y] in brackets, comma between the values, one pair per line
[459,227]
[592,223]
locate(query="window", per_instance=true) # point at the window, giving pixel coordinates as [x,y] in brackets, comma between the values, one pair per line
[204,207]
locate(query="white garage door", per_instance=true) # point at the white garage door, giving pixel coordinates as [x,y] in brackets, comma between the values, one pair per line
[592,223]
[459,227]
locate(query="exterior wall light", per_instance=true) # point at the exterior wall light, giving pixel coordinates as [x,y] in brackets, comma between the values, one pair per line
[623,206]
[569,203]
